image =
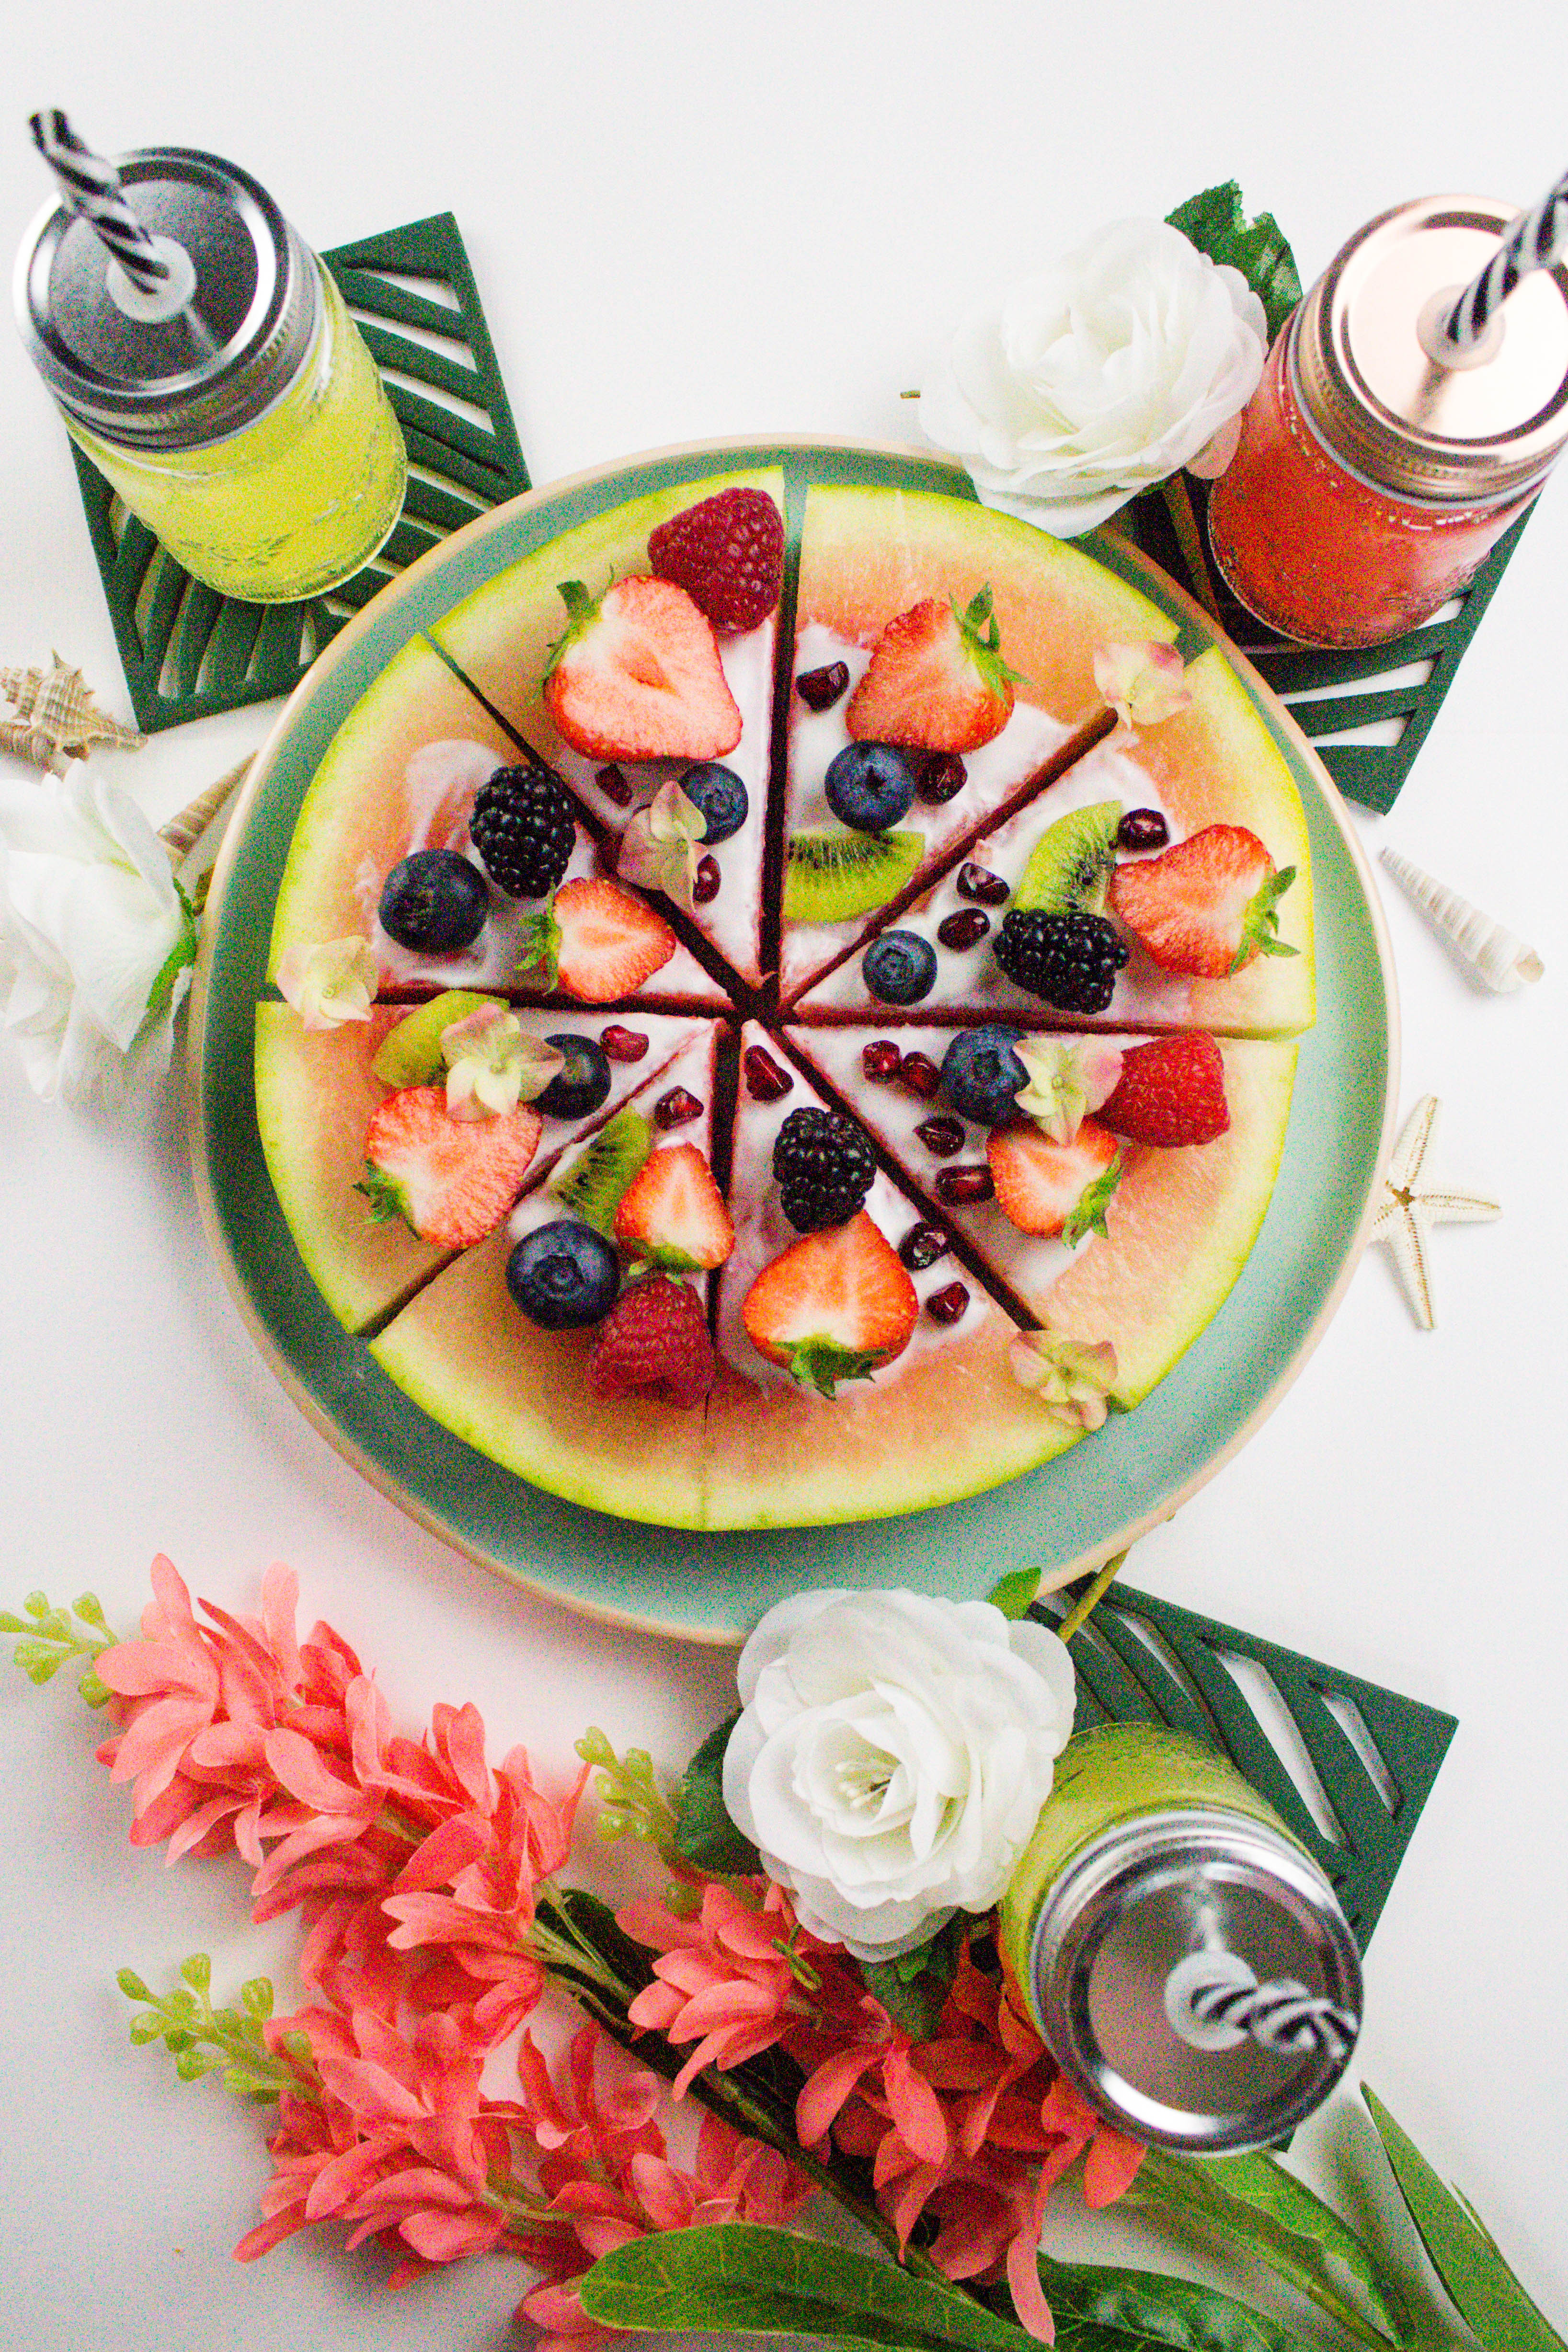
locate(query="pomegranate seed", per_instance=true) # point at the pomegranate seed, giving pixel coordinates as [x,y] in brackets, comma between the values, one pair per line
[955,1186]
[947,1305]
[764,1081]
[676,1108]
[1142,829]
[941,1137]
[881,1060]
[705,881]
[615,786]
[623,1045]
[920,1074]
[922,1247]
[980,882]
[819,689]
[964,929]
[940,775]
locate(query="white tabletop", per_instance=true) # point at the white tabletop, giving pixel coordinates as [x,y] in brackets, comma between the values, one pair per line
[707,221]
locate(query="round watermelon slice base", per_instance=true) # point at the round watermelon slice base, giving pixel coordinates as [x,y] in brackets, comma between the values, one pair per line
[710,1583]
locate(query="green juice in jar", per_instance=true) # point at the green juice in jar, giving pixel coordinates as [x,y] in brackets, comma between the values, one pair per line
[1152,1858]
[249,430]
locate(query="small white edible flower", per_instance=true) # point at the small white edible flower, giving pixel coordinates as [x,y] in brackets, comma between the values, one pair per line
[659,847]
[493,1064]
[96,942]
[329,983]
[1072,1379]
[1108,371]
[1142,684]
[1065,1082]
[892,1757]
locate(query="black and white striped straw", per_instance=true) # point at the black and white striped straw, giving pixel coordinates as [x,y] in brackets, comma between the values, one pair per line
[90,186]
[1534,242]
[1281,2016]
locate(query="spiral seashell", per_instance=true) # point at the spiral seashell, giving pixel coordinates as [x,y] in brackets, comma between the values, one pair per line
[186,827]
[1483,946]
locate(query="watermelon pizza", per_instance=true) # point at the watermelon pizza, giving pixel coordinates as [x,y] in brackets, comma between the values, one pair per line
[756,1045]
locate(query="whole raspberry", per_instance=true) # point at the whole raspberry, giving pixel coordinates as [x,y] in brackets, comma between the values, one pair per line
[728,553]
[654,1340]
[1170,1092]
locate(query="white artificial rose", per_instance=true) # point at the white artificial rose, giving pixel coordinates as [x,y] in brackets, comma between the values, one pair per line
[892,1757]
[91,926]
[1105,374]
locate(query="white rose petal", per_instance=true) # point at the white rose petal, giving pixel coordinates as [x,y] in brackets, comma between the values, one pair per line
[891,1758]
[90,924]
[1105,373]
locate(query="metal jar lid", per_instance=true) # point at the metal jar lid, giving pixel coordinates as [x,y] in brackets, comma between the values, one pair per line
[175,383]
[1475,434]
[1133,1907]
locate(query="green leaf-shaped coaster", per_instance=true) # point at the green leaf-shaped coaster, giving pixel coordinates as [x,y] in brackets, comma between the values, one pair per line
[1313,681]
[186,650]
[1374,1755]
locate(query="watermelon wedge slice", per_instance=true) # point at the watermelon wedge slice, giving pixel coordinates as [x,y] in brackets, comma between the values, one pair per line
[1215,763]
[500,638]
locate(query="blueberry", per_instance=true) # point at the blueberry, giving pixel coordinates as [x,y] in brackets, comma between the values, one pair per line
[982,1074]
[899,968]
[719,793]
[433,901]
[564,1275]
[869,786]
[581,1083]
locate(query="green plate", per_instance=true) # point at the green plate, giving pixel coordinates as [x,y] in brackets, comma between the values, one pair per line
[712,1587]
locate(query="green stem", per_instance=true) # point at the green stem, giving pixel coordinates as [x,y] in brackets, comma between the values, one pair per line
[1104,1577]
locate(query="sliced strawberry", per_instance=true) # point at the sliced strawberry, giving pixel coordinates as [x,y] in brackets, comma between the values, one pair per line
[834,1306]
[451,1180]
[936,680]
[728,553]
[1207,905]
[653,1342]
[598,942]
[637,675]
[1171,1092]
[1040,1184]
[673,1214]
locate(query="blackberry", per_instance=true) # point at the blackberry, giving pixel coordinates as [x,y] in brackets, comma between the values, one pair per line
[524,829]
[823,1167]
[1071,961]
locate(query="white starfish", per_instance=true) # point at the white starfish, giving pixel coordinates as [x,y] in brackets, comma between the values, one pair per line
[1408,1208]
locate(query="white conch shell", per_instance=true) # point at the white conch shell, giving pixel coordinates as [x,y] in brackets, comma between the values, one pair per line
[1485,948]
[186,827]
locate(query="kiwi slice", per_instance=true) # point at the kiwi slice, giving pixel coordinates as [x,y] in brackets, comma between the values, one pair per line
[410,1055]
[592,1181]
[1070,865]
[828,877]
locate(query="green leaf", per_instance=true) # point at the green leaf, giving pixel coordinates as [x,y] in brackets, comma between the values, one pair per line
[248,2086]
[197,1972]
[131,1986]
[740,2278]
[93,1692]
[820,1364]
[1247,2205]
[539,941]
[180,954]
[1479,2283]
[386,1196]
[1088,1214]
[703,1832]
[146,2028]
[1016,1590]
[9,1624]
[39,1664]
[257,1996]
[36,1604]
[89,1609]
[1260,923]
[913,1988]
[1099,2309]
[191,2064]
[1215,222]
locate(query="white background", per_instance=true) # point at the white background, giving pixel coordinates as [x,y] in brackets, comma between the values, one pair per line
[716,220]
